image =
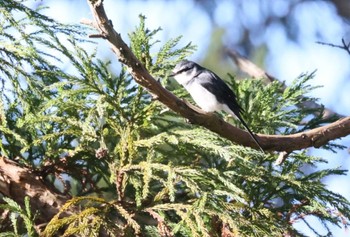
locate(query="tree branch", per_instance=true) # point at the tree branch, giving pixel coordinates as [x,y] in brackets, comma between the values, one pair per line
[17,182]
[316,137]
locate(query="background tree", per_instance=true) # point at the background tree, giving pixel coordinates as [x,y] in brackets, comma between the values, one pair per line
[98,155]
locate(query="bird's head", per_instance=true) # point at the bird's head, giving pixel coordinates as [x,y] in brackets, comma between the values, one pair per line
[184,71]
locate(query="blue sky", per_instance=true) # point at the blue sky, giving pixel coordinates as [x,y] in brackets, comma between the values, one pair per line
[285,59]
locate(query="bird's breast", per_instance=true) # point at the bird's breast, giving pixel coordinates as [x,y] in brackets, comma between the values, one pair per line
[182,79]
[203,98]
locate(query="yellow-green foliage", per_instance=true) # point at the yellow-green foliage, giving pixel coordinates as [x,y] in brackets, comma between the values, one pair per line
[133,166]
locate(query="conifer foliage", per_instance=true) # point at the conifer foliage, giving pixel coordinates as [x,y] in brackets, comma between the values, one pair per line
[127,165]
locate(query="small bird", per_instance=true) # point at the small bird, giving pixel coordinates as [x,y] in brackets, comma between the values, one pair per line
[209,91]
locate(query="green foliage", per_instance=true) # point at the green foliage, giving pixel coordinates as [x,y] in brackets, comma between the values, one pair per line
[30,51]
[96,214]
[270,109]
[160,63]
[277,110]
[22,219]
[136,167]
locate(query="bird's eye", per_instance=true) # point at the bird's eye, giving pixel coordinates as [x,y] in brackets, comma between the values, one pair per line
[184,70]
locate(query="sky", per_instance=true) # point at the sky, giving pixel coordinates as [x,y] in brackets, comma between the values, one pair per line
[285,58]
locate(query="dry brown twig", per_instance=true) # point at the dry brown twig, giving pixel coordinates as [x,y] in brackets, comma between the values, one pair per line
[288,143]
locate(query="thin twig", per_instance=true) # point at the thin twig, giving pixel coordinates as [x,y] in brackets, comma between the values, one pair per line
[345,46]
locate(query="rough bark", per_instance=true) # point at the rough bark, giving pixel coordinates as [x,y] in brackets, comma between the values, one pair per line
[18,182]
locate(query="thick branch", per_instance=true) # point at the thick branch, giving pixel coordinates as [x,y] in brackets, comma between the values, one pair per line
[17,182]
[316,137]
[254,71]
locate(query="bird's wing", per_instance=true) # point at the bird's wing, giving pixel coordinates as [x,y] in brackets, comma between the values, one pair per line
[224,95]
[220,89]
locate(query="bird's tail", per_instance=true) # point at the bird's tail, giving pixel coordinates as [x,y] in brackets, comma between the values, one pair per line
[249,131]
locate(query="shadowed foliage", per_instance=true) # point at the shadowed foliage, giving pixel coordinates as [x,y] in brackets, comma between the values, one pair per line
[127,165]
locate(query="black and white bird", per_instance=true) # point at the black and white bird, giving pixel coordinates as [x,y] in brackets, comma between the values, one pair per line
[209,91]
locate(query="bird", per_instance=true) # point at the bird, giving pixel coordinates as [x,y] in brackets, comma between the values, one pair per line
[209,91]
